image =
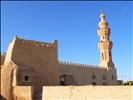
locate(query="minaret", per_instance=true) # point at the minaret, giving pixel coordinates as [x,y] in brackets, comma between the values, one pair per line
[105,45]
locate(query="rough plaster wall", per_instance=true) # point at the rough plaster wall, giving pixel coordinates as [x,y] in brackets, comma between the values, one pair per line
[83,75]
[88,93]
[13,75]
[7,80]
[23,92]
[38,81]
[21,72]
[43,57]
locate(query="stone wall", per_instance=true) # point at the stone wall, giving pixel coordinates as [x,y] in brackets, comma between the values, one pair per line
[23,92]
[88,93]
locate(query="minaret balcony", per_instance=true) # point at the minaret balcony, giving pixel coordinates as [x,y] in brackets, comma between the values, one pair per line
[105,45]
[103,31]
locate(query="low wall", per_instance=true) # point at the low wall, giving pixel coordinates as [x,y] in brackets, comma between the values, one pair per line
[23,92]
[88,92]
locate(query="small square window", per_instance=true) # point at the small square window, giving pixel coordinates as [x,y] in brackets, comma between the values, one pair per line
[26,78]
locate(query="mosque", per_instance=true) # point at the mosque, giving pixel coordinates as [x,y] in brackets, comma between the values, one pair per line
[34,63]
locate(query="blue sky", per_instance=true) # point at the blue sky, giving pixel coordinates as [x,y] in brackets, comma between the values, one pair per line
[74,24]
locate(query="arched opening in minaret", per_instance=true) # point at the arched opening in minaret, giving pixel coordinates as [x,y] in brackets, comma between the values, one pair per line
[102,56]
[105,55]
[110,55]
[108,37]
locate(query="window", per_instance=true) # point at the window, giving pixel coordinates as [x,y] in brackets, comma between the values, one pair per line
[108,38]
[104,77]
[26,78]
[93,76]
[109,53]
[93,83]
[62,80]
[102,57]
[112,77]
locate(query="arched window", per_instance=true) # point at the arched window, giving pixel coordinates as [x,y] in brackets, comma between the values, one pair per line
[103,76]
[102,56]
[112,77]
[93,76]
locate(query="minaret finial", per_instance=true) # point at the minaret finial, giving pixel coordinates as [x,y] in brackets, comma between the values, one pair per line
[101,10]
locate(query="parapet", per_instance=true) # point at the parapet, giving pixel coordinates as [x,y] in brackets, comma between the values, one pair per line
[20,50]
[80,65]
[36,43]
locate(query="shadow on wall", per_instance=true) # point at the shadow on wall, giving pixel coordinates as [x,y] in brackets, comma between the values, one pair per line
[36,80]
[66,80]
[2,98]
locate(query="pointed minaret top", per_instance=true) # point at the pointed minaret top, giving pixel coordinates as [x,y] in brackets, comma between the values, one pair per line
[102,16]
[103,22]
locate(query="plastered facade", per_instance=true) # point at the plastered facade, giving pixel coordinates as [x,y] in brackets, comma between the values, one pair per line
[83,74]
[40,56]
[88,93]
[23,92]
[29,63]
